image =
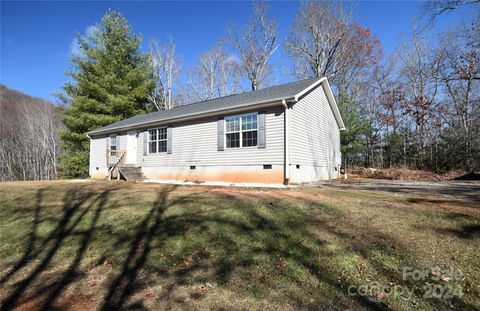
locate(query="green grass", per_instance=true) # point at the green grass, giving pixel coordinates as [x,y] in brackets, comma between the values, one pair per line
[133,246]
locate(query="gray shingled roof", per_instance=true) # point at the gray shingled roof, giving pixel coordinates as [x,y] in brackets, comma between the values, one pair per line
[278,92]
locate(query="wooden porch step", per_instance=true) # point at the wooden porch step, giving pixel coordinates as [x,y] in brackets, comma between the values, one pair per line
[126,172]
[128,165]
[131,173]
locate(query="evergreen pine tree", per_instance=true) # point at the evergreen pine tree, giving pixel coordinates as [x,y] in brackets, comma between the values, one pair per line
[352,141]
[111,79]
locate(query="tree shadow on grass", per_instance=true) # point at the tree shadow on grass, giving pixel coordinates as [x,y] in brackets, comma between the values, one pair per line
[222,238]
[77,203]
[78,223]
[266,228]
[467,231]
[283,240]
[31,251]
[230,236]
[123,285]
[461,225]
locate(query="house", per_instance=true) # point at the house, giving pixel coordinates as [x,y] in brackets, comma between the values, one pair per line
[288,133]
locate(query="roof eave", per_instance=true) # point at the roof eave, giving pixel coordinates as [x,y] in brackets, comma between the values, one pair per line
[219,112]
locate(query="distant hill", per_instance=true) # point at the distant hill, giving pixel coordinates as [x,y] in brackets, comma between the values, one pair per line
[29,142]
[10,96]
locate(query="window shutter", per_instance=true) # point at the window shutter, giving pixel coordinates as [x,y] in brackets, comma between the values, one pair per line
[262,141]
[107,140]
[145,143]
[169,140]
[117,142]
[220,134]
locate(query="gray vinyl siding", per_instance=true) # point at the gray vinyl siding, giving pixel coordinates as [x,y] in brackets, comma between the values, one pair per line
[122,143]
[315,136]
[195,143]
[98,155]
[98,151]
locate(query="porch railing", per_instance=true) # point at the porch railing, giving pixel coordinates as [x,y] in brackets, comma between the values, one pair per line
[115,157]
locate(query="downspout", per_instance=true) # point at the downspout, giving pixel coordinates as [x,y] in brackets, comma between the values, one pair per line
[286,136]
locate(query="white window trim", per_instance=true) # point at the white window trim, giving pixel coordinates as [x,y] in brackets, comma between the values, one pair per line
[110,142]
[157,141]
[240,131]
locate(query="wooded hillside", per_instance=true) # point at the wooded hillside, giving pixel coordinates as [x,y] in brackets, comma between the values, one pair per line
[29,126]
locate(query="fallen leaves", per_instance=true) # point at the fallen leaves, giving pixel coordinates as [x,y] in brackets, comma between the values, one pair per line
[281,264]
[205,287]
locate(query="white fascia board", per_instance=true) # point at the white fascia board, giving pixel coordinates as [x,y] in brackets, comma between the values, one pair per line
[333,104]
[308,89]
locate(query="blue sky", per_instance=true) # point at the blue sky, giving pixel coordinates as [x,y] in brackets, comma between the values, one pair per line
[36,37]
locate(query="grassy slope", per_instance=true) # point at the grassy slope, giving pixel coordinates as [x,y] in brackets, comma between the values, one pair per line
[111,245]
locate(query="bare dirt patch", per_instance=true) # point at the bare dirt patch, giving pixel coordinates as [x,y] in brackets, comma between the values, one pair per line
[403,173]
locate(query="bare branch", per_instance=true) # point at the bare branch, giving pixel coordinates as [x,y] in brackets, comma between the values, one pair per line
[255,44]
[167,69]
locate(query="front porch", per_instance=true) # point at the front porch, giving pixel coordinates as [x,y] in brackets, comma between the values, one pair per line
[119,169]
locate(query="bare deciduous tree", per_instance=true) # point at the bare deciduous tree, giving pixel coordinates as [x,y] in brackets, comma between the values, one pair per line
[419,75]
[216,74]
[317,35]
[433,8]
[29,145]
[324,42]
[458,56]
[255,44]
[167,69]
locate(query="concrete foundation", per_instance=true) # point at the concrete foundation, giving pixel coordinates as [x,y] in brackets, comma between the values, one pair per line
[235,174]
[99,174]
[304,173]
[231,174]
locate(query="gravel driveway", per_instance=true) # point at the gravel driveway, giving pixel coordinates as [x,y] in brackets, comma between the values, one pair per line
[464,190]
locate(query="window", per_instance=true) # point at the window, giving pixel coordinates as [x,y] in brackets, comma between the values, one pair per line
[241,131]
[113,145]
[113,142]
[157,140]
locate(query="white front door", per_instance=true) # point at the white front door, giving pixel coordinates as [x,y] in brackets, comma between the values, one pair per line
[131,148]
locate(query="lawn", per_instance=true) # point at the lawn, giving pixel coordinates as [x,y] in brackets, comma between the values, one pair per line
[118,245]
